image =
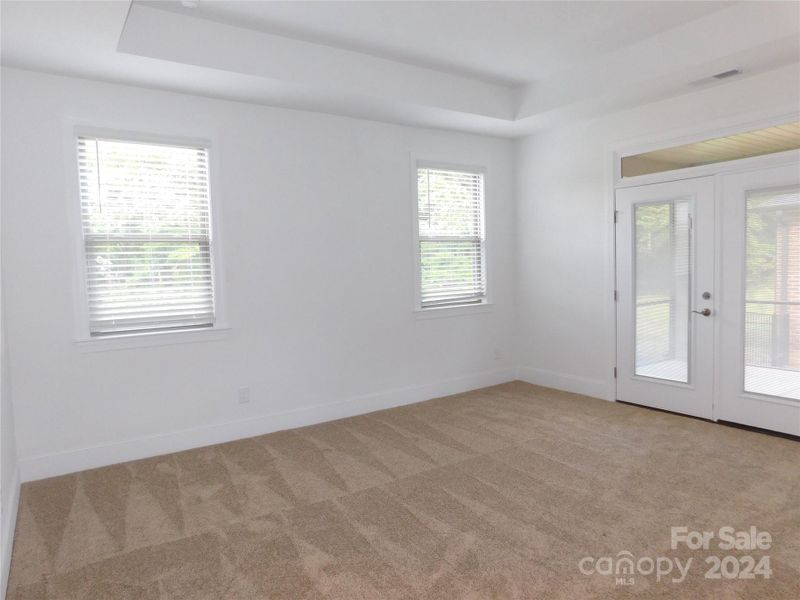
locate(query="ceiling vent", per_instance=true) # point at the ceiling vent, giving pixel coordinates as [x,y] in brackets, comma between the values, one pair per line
[726,74]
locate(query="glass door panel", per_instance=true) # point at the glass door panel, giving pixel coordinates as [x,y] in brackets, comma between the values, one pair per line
[663,289]
[772,293]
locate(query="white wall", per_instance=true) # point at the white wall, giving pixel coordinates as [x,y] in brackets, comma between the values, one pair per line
[317,229]
[564,234]
[317,224]
[9,473]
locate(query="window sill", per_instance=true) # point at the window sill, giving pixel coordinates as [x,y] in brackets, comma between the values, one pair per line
[453,311]
[152,338]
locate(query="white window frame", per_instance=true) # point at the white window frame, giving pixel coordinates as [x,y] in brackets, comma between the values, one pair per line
[453,310]
[83,339]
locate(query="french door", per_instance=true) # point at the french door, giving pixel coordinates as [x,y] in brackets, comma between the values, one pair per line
[665,295]
[708,297]
[760,299]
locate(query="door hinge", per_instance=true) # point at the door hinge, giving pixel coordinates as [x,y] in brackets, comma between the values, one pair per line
[616,216]
[616,295]
[615,372]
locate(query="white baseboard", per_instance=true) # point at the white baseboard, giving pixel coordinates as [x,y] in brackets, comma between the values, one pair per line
[9,525]
[597,388]
[80,459]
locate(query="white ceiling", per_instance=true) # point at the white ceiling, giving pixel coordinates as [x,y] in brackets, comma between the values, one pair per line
[504,68]
[505,42]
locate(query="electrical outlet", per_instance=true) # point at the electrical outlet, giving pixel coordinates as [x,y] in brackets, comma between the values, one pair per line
[498,354]
[244,395]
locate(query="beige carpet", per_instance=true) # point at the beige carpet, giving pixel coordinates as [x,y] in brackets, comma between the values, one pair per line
[496,493]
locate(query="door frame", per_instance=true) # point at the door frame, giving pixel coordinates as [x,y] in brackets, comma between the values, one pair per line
[615,152]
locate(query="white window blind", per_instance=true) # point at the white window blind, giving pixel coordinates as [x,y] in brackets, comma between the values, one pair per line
[147,236]
[451,237]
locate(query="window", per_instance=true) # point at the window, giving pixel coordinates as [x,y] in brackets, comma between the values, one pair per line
[451,252]
[146,234]
[779,138]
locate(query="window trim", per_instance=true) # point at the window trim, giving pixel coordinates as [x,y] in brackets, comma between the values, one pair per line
[82,338]
[454,309]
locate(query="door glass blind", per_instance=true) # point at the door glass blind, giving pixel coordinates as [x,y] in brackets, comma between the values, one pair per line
[451,237]
[147,237]
[663,272]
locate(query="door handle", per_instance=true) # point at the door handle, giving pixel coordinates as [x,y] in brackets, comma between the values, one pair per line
[706,312]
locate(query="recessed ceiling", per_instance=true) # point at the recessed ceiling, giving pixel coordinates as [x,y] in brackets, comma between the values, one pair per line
[502,68]
[506,42]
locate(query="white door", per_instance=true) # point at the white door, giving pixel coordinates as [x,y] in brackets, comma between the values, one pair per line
[759,378]
[665,295]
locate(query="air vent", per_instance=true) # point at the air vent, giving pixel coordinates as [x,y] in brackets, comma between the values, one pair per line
[726,74]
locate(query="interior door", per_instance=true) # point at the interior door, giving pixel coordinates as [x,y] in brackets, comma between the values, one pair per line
[665,295]
[760,301]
